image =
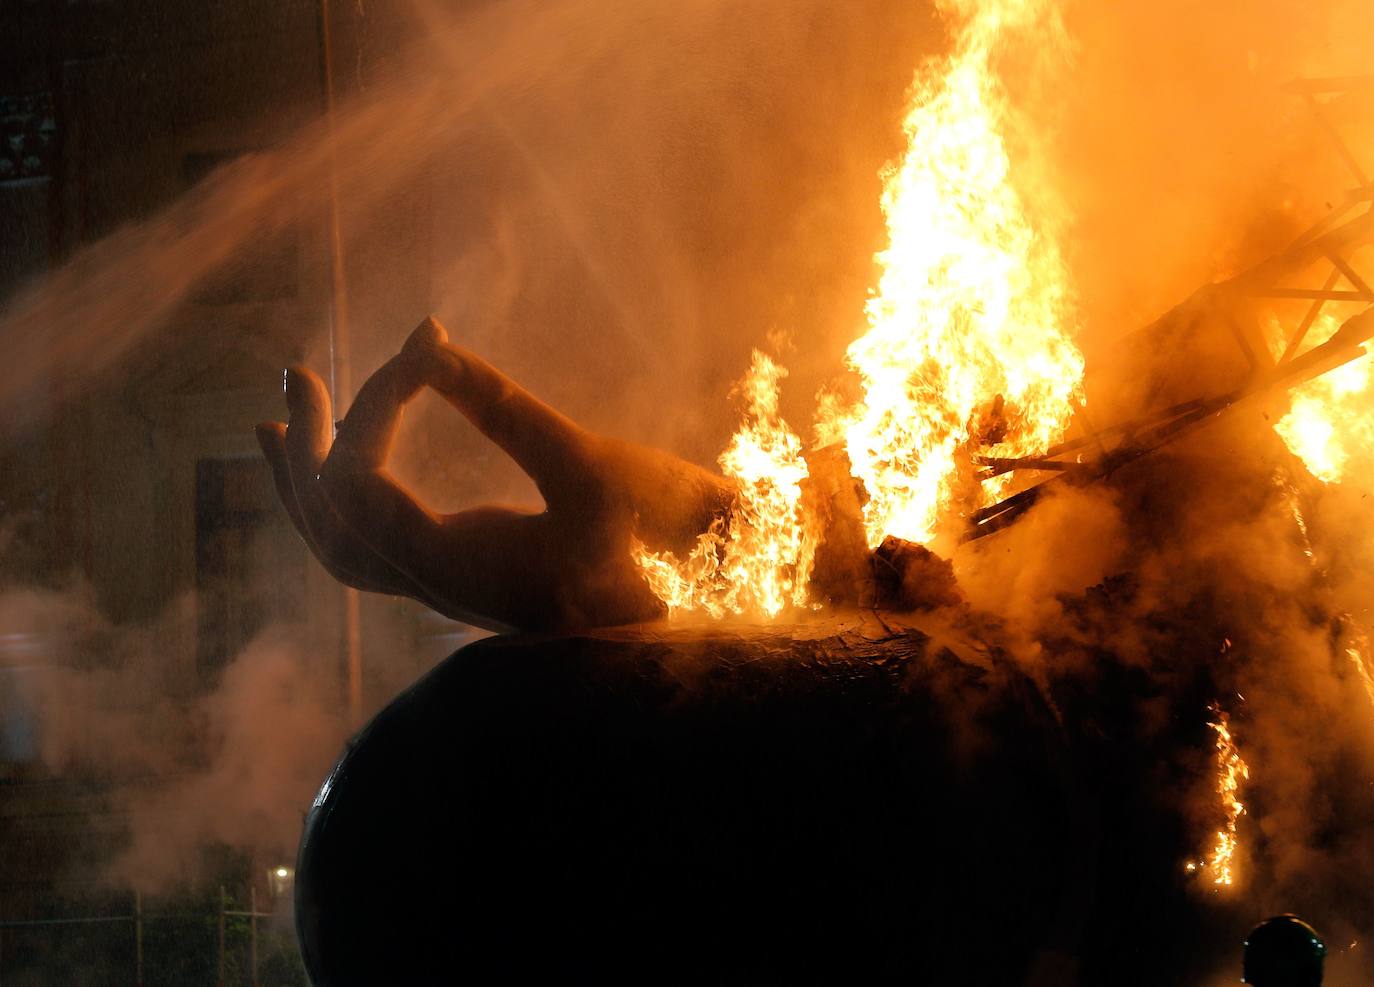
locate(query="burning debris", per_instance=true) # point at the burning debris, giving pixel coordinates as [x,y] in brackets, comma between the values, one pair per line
[946,712]
[967,351]
[757,558]
[970,317]
[968,414]
[969,377]
[1231,771]
[1328,425]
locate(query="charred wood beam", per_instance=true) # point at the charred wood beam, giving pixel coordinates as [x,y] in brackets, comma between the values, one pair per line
[996,466]
[1017,503]
[1306,250]
[1330,238]
[1337,295]
[1256,353]
[996,522]
[1310,89]
[1342,148]
[1352,275]
[1310,317]
[1148,436]
[1144,437]
[1352,199]
[1124,428]
[1345,344]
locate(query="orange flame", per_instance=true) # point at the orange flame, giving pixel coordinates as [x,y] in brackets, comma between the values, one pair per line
[1231,771]
[758,559]
[1328,425]
[966,349]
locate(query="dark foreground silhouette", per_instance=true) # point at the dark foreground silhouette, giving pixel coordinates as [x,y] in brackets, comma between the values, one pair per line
[842,803]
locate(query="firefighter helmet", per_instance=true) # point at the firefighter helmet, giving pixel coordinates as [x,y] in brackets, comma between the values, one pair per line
[1284,951]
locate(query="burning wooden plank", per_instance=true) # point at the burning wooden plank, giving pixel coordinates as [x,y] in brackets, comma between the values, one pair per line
[1132,440]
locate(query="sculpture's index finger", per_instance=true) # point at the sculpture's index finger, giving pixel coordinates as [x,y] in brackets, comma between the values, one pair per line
[548,446]
[368,430]
[428,335]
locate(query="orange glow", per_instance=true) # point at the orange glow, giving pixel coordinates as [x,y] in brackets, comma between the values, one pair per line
[757,560]
[967,350]
[966,353]
[1358,653]
[1328,425]
[1231,771]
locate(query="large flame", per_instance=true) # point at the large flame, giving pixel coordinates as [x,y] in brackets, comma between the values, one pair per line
[966,350]
[1328,425]
[757,560]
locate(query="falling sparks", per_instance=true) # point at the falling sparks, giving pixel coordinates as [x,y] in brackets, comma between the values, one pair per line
[1294,501]
[1358,652]
[1360,660]
[1328,425]
[966,350]
[756,560]
[1231,771]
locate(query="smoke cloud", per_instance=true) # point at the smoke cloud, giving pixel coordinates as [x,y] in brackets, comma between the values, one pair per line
[1167,151]
[181,766]
[616,202]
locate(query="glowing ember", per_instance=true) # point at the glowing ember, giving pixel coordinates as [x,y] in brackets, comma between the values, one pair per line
[966,350]
[1328,425]
[757,560]
[1231,771]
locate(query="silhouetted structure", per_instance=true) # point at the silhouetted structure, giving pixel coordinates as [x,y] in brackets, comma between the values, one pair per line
[1284,951]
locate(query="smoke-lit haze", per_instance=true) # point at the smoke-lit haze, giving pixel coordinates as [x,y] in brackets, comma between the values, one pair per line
[186,769]
[621,200]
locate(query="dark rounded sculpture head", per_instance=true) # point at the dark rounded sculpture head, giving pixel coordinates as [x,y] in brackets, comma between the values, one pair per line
[1284,951]
[721,807]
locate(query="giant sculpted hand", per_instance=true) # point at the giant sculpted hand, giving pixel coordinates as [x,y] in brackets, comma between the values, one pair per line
[569,566]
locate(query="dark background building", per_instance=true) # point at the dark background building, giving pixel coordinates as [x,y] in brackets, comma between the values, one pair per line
[143,502]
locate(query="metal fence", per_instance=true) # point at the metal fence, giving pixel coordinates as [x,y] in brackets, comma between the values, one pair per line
[229,943]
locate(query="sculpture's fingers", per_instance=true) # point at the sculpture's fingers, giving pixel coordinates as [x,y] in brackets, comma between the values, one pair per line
[551,448]
[367,431]
[494,567]
[453,575]
[377,510]
[308,433]
[305,446]
[272,439]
